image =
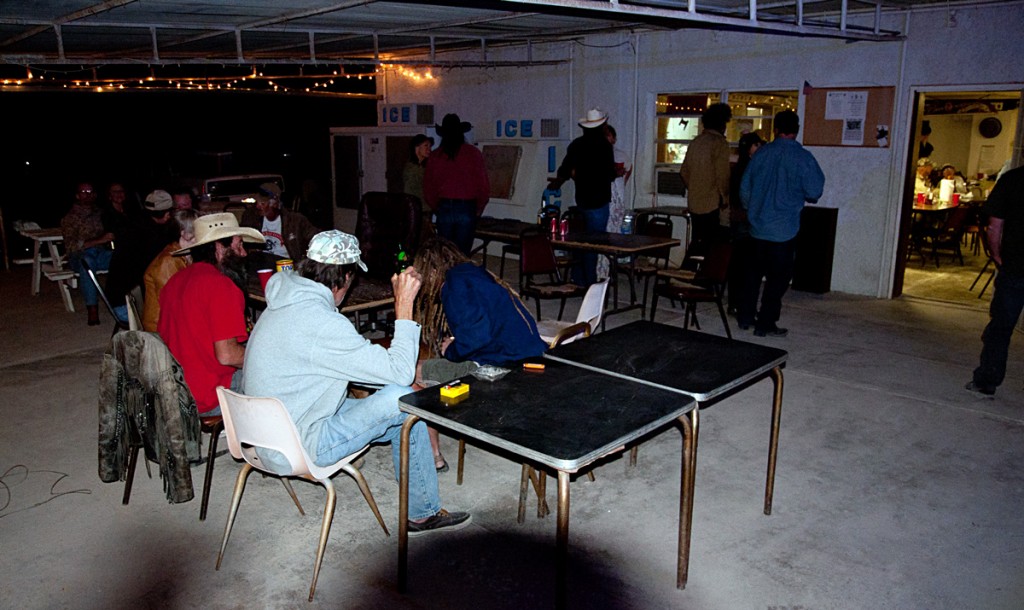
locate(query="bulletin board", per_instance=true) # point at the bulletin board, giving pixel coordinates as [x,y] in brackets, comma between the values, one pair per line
[849,116]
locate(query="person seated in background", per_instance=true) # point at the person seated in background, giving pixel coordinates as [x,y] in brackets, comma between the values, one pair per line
[119,212]
[165,265]
[959,184]
[469,317]
[287,233]
[202,309]
[304,353]
[923,178]
[86,239]
[136,245]
[183,199]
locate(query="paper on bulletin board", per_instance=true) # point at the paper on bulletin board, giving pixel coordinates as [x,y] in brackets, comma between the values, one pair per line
[850,107]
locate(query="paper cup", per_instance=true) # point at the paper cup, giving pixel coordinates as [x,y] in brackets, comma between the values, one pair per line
[264,275]
[956,199]
[920,197]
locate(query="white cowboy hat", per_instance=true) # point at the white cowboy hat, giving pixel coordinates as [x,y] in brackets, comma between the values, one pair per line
[595,118]
[212,227]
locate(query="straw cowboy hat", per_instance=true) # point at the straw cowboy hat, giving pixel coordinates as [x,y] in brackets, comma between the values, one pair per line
[212,227]
[595,118]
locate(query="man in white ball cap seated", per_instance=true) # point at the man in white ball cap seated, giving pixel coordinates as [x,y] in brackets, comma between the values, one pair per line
[305,353]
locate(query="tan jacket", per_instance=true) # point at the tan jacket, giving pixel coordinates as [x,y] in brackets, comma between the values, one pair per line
[705,171]
[156,276]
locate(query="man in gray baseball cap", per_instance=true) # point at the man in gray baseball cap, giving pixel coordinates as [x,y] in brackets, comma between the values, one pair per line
[305,353]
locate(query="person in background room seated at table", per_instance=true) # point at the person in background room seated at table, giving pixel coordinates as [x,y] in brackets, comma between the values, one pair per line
[959,184]
[469,317]
[455,184]
[202,309]
[165,265]
[304,353]
[923,178]
[287,232]
[136,246]
[87,239]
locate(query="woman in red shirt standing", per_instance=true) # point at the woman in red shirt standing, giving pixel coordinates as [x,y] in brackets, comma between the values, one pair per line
[455,185]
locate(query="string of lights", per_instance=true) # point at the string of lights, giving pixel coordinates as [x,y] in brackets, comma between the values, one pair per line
[292,80]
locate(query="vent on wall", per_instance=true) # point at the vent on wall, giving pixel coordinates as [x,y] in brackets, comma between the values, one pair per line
[549,128]
[424,114]
[670,183]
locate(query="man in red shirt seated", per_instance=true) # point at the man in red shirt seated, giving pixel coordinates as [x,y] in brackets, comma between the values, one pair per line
[202,309]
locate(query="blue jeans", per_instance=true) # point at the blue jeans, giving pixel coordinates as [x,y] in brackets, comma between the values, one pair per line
[98,259]
[376,419]
[772,261]
[1007,303]
[456,222]
[597,222]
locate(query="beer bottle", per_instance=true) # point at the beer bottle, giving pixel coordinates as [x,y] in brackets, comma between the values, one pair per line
[401,259]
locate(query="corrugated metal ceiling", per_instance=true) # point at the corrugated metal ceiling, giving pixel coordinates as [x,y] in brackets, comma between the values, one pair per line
[354,31]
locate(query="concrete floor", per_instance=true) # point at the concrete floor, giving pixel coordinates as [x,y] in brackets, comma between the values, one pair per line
[895,489]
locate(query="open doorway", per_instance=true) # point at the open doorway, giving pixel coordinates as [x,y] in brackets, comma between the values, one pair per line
[961,142]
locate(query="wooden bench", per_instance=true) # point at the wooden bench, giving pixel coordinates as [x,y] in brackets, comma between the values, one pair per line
[66,280]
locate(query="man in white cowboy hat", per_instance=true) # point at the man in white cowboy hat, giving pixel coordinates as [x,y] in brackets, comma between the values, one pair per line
[590,163]
[305,353]
[202,308]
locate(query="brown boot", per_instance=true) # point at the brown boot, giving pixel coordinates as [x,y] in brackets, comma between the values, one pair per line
[94,315]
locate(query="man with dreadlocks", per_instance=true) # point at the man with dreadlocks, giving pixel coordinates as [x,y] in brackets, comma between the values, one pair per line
[304,353]
[468,316]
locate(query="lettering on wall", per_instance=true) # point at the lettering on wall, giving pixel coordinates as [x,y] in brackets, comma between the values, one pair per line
[513,128]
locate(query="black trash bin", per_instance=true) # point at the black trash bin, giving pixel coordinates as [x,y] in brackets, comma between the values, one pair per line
[815,247]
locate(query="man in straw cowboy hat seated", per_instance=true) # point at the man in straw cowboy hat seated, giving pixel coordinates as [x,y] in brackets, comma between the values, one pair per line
[202,309]
[304,353]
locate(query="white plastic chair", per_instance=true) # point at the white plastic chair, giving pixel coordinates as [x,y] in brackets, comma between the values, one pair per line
[591,312]
[134,320]
[264,423]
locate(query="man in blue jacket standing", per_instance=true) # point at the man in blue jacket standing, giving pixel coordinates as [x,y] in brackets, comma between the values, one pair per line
[780,178]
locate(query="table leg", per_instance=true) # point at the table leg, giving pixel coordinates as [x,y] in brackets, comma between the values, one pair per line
[36,266]
[562,540]
[773,441]
[686,497]
[403,503]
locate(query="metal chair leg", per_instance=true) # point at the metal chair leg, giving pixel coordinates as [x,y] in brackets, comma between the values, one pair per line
[325,531]
[367,494]
[211,455]
[236,499]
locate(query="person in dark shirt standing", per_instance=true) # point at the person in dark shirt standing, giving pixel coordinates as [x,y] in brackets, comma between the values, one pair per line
[780,178]
[590,163]
[1005,234]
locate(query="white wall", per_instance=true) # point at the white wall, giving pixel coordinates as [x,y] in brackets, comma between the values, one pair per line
[865,184]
